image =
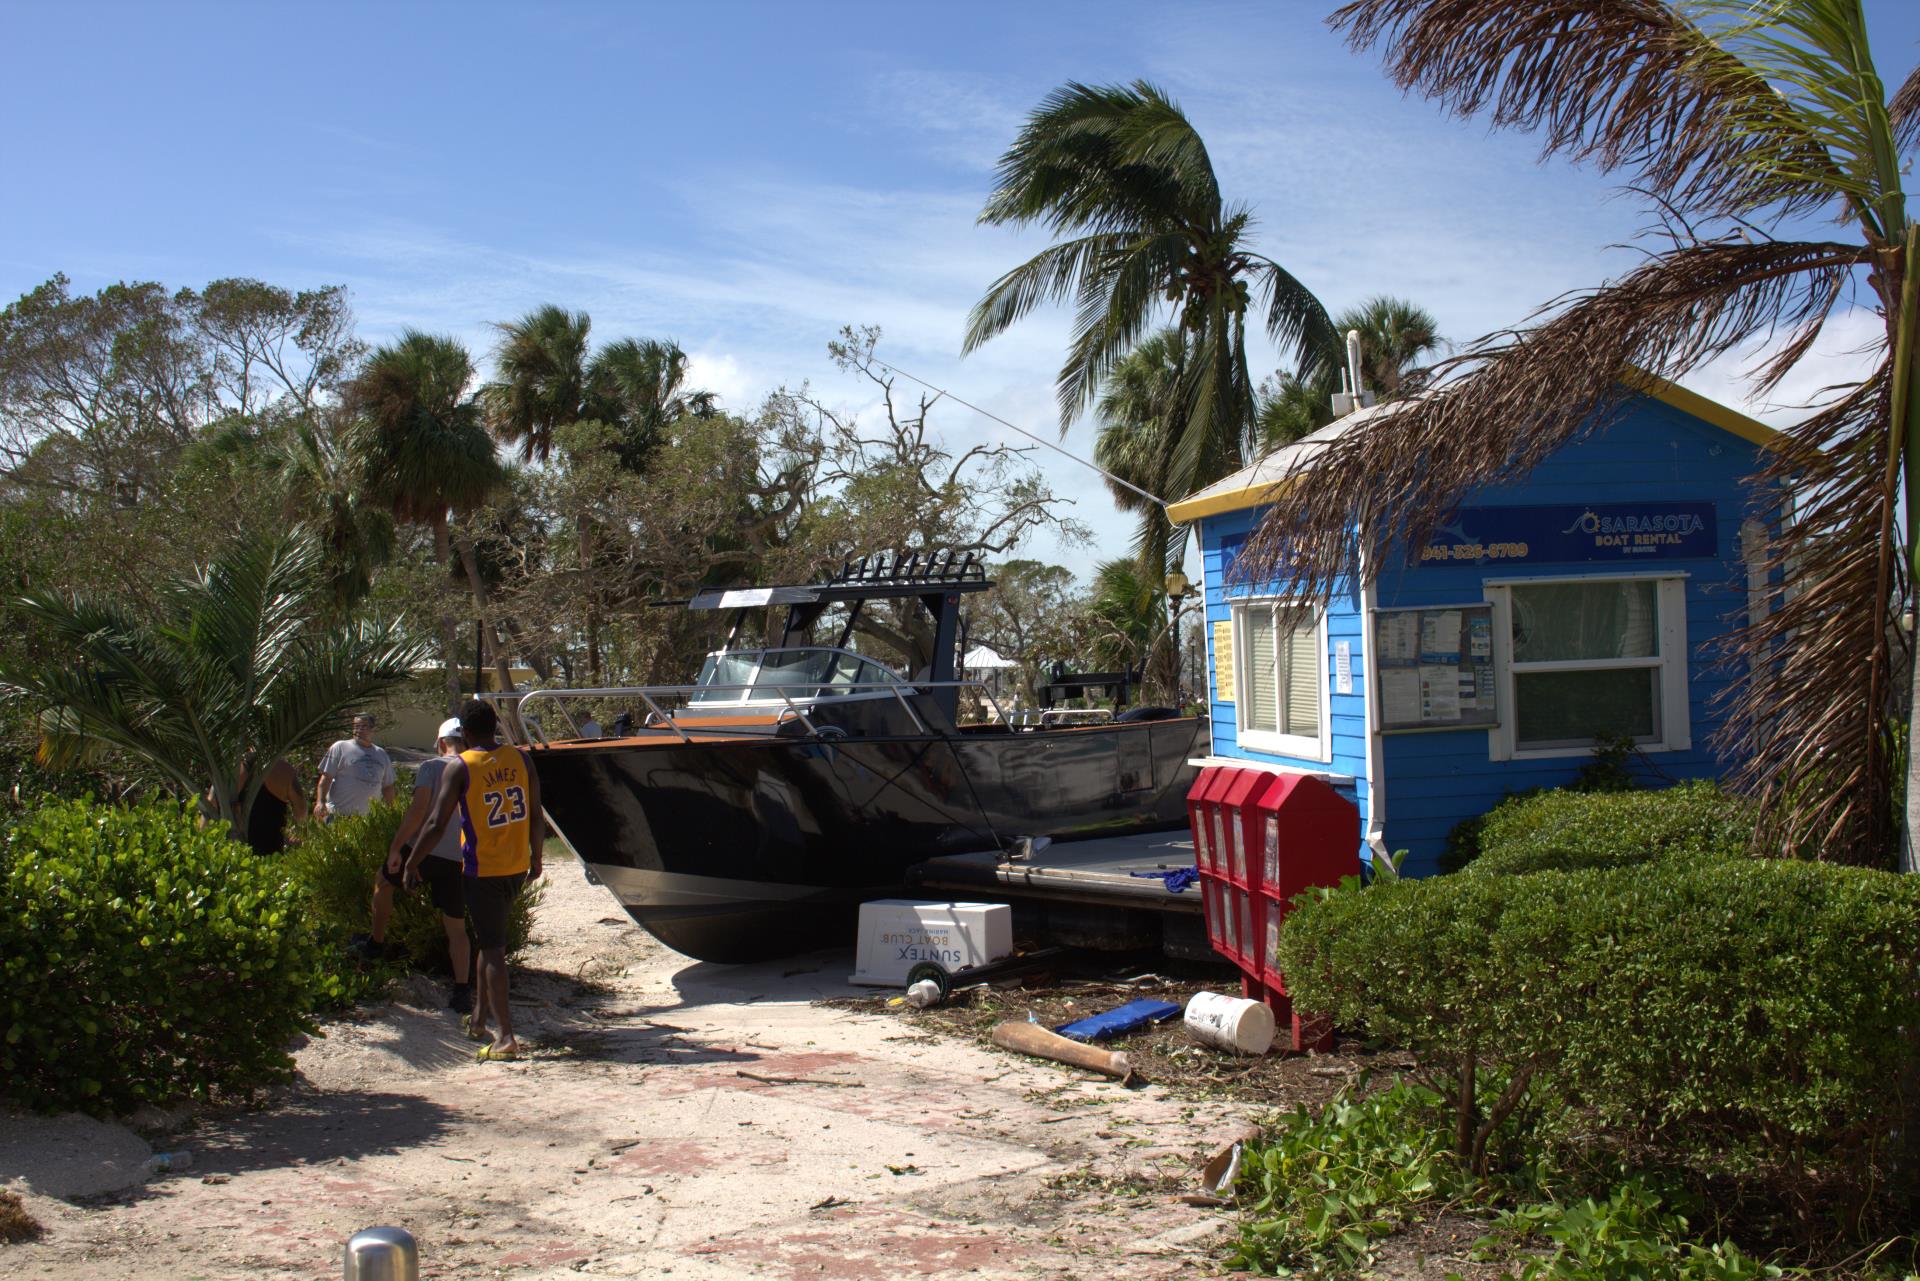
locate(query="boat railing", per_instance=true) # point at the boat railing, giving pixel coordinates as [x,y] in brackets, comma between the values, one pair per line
[794,704]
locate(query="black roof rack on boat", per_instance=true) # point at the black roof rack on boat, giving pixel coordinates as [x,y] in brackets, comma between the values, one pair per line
[871,577]
[942,567]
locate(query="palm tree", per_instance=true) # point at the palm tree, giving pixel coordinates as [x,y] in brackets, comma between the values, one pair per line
[314,481]
[542,385]
[423,453]
[235,661]
[1740,125]
[1394,336]
[1128,617]
[639,386]
[1120,172]
[1139,410]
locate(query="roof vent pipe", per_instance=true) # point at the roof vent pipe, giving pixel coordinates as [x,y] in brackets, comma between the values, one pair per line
[1353,393]
[1361,396]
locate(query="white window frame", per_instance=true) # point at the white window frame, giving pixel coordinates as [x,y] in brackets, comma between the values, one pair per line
[1318,747]
[1670,599]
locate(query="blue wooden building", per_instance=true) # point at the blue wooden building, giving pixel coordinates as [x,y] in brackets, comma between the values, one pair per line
[1582,603]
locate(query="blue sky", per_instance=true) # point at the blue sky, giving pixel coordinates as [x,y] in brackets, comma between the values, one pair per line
[747,178]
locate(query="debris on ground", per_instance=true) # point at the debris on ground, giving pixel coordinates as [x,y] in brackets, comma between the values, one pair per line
[1120,1020]
[1031,1038]
[15,1223]
[1163,1053]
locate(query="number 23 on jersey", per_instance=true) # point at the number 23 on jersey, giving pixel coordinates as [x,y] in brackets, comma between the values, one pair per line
[506,806]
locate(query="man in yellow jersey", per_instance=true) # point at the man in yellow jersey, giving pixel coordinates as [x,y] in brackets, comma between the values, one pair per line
[493,796]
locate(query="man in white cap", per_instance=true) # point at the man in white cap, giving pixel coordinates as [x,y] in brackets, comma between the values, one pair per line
[441,871]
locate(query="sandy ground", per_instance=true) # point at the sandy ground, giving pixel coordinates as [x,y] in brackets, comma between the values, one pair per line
[634,1144]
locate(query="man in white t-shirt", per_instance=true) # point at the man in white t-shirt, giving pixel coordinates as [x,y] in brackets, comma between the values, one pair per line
[353,773]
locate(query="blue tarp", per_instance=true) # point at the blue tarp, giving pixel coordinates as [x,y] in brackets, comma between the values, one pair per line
[1130,1017]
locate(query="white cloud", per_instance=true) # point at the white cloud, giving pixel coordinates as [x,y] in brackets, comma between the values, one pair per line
[1848,350]
[721,374]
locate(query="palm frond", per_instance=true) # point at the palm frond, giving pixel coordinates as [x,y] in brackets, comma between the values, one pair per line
[1903,112]
[1531,392]
[1625,84]
[1817,694]
[1052,275]
[1296,319]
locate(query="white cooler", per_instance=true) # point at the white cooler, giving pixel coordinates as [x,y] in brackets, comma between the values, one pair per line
[897,934]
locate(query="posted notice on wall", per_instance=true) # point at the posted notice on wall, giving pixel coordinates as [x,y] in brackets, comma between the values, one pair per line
[1223,661]
[1436,667]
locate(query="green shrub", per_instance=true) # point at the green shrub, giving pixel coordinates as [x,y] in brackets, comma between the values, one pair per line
[1319,1192]
[334,864]
[1742,1016]
[143,959]
[1568,830]
[1631,1234]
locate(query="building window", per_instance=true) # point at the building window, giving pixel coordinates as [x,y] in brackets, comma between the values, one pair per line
[1281,701]
[1591,659]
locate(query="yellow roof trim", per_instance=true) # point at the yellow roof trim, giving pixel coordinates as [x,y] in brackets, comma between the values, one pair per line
[1233,500]
[1711,412]
[1732,421]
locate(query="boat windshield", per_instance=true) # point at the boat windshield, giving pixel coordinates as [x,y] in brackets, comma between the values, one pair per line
[779,675]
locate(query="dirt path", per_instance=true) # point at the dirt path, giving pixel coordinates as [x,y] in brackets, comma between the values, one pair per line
[633,1145]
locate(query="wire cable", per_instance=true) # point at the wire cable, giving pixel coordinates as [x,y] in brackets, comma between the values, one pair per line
[941,392]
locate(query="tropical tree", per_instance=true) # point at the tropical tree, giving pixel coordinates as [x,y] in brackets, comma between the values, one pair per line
[1741,125]
[237,659]
[1139,410]
[304,471]
[639,386]
[1395,335]
[542,383]
[423,453]
[1028,617]
[1127,618]
[1121,174]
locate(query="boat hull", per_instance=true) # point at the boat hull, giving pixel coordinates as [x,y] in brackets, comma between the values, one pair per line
[751,848]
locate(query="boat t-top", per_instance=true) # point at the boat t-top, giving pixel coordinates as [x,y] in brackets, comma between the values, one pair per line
[746,815]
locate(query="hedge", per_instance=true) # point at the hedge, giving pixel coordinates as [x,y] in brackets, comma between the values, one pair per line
[334,865]
[1744,1014]
[1568,830]
[144,958]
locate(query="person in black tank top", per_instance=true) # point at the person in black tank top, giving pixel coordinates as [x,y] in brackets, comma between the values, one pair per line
[267,820]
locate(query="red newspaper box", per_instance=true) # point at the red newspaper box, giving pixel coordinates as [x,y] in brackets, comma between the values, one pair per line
[1200,818]
[1309,836]
[1227,919]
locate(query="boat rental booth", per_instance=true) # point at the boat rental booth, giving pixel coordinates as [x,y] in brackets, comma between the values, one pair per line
[1584,603]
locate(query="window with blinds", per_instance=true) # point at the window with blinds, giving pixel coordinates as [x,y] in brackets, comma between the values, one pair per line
[1282,686]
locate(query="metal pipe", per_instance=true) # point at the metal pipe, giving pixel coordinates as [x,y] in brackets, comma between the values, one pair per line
[381,1254]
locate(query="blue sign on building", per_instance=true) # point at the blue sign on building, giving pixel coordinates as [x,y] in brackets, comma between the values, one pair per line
[1572,532]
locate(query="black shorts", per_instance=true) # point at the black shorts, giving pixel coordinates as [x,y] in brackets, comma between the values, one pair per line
[446,886]
[489,901]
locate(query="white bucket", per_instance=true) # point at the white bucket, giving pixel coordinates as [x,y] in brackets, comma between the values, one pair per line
[1230,1023]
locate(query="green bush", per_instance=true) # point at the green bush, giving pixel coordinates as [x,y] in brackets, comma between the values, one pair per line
[1568,830]
[1319,1192]
[143,959]
[335,863]
[1744,1017]
[1631,1234]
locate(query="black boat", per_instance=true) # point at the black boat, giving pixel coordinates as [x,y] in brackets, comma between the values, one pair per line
[747,815]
